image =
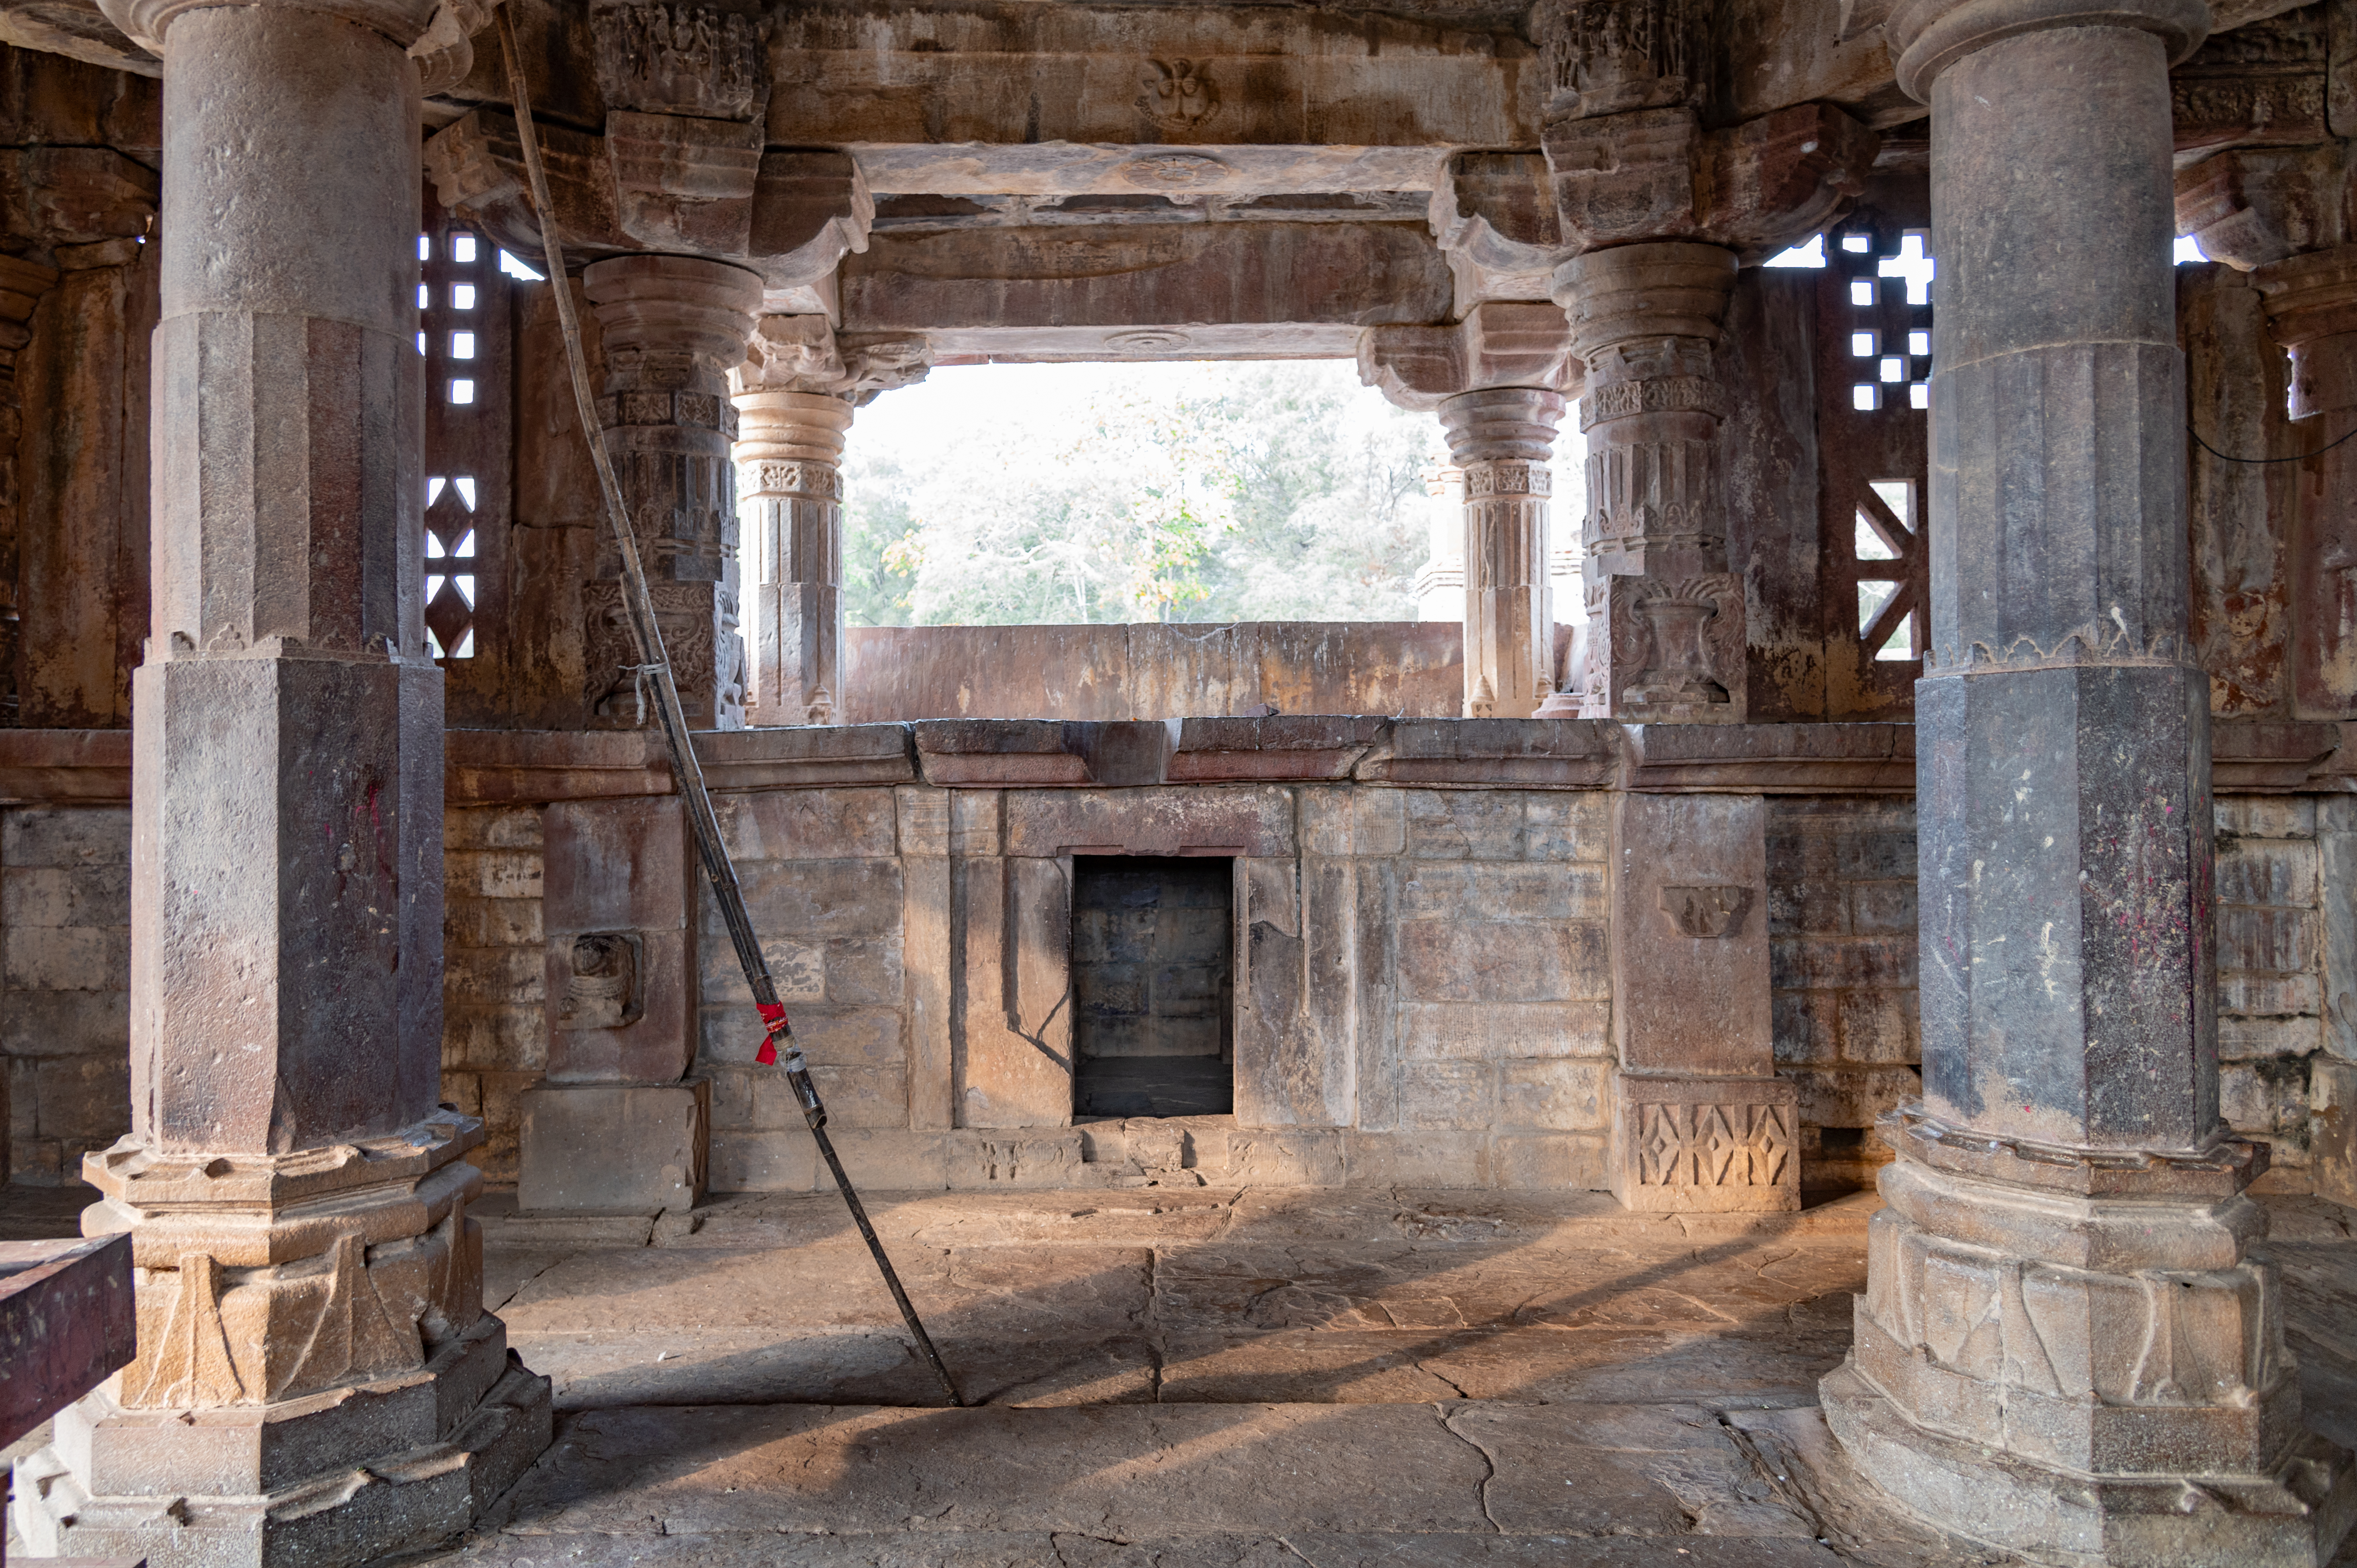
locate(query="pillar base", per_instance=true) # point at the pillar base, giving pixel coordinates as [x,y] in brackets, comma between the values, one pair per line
[2293,1516]
[614,1148]
[346,1475]
[1706,1146]
[2088,1369]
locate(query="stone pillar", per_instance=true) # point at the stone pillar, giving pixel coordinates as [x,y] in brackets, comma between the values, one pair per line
[672,328]
[22,283]
[1665,617]
[316,1377]
[2064,1345]
[1440,581]
[1501,439]
[789,471]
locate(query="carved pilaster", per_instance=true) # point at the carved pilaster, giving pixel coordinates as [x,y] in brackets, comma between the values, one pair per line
[21,285]
[789,479]
[1665,617]
[1605,56]
[672,328]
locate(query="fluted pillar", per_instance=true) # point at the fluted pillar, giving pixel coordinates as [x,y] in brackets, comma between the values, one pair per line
[316,1375]
[1502,438]
[1665,617]
[789,485]
[2064,1345]
[672,328]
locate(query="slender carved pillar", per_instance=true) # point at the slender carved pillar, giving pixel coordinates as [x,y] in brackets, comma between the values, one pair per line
[2064,1345]
[1664,614]
[790,469]
[316,1377]
[1502,438]
[672,328]
[1440,581]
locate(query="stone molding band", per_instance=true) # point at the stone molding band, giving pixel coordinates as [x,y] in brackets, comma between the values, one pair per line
[2223,1169]
[697,410]
[1669,394]
[1508,478]
[1929,36]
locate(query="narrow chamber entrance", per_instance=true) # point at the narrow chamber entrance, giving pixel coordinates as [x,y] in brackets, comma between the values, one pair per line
[1152,964]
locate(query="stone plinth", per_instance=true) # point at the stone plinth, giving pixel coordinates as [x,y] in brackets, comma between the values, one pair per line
[2065,1346]
[618,1126]
[1700,1119]
[673,326]
[1666,615]
[790,479]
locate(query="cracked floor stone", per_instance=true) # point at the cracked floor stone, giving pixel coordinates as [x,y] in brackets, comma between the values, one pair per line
[1199,1378]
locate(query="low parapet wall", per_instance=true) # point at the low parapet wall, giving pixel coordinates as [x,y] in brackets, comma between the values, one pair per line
[1151,672]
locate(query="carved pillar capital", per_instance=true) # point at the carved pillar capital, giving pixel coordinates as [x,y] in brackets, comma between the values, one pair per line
[1500,343]
[1665,617]
[2311,304]
[1927,36]
[2251,206]
[673,326]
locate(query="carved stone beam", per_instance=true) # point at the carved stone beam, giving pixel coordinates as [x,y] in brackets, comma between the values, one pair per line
[2254,206]
[2311,303]
[1499,380]
[682,167]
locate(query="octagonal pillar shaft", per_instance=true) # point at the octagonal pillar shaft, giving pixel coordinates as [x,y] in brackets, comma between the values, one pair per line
[790,483]
[1502,439]
[316,1377]
[2064,1347]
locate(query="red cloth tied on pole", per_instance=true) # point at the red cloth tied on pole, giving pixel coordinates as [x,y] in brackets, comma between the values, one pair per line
[774,1016]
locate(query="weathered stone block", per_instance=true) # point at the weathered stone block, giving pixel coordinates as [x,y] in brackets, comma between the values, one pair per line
[806,899]
[797,969]
[513,1038]
[1879,1025]
[810,825]
[1882,907]
[470,923]
[1690,969]
[1497,1030]
[863,1096]
[614,1148]
[499,976]
[2268,816]
[1378,822]
[864,968]
[65,896]
[65,836]
[1447,1095]
[2332,1130]
[1808,1027]
[1495,961]
[923,819]
[494,873]
[1325,820]
[81,1100]
[1465,824]
[2266,939]
[1425,1159]
[1462,890]
[733,1096]
[2267,1098]
[2269,995]
[490,827]
[1279,1158]
[2245,1039]
[2267,870]
[66,1024]
[893,1160]
[1568,1096]
[1236,819]
[1550,1162]
[1851,1097]
[65,958]
[1010,1160]
[781,1161]
[1559,827]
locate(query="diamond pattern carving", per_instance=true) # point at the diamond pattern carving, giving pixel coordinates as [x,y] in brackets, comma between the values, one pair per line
[1713,1145]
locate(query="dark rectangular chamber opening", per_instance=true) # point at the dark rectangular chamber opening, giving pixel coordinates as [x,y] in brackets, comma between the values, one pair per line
[1153,966]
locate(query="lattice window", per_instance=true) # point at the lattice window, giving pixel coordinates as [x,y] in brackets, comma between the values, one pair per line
[464,339]
[1874,367]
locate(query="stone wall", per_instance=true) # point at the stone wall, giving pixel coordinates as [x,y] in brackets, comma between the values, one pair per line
[65,955]
[1841,924]
[1422,980]
[494,1025]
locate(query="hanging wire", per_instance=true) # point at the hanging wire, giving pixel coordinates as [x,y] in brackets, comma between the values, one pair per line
[2295,457]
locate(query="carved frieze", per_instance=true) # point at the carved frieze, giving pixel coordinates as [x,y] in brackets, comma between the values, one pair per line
[2263,84]
[680,59]
[1605,56]
[1714,1146]
[1179,94]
